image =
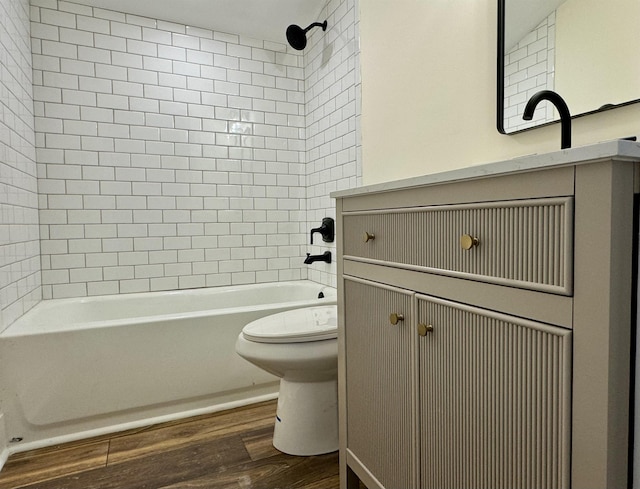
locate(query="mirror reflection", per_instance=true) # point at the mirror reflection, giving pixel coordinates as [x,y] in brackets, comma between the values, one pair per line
[582,49]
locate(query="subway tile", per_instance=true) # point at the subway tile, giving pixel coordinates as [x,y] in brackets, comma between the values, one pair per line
[77,37]
[156,36]
[103,288]
[141,76]
[95,84]
[184,68]
[128,89]
[60,80]
[142,47]
[95,55]
[148,245]
[128,31]
[63,291]
[126,60]
[145,133]
[132,286]
[153,63]
[96,114]
[111,72]
[79,97]
[44,31]
[75,67]
[168,80]
[185,41]
[92,24]
[55,17]
[172,53]
[140,105]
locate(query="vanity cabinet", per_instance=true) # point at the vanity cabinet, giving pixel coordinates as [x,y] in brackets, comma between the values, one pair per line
[485,320]
[474,390]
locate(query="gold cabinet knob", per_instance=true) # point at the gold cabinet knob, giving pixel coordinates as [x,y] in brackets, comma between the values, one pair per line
[395,318]
[368,236]
[423,329]
[467,241]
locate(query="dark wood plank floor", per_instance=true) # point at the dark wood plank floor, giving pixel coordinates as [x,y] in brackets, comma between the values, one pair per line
[227,450]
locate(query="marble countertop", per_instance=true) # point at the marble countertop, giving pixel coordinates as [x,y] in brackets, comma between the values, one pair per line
[622,150]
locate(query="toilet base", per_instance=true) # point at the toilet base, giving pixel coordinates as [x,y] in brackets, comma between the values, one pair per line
[307,418]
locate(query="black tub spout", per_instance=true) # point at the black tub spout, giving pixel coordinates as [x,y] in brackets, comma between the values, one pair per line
[563,109]
[325,257]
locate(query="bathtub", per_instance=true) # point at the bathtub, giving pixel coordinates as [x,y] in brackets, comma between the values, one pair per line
[73,368]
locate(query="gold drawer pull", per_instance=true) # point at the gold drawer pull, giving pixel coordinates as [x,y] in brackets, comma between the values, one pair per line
[423,329]
[368,236]
[395,318]
[467,241]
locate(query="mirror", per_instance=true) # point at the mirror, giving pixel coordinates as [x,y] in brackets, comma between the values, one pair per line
[585,50]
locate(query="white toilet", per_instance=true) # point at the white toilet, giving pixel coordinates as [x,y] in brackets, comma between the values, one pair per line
[301,347]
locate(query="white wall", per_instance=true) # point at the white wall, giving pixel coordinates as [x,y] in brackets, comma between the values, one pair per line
[608,30]
[429,92]
[19,247]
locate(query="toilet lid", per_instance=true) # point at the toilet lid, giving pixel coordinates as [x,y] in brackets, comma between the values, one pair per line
[295,326]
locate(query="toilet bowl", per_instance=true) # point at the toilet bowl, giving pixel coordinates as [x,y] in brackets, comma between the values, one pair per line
[300,347]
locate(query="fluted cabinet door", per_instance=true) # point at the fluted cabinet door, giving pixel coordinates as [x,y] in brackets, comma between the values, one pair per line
[494,391]
[381,430]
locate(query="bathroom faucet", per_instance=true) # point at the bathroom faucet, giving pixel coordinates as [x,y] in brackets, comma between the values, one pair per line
[327,229]
[563,109]
[325,257]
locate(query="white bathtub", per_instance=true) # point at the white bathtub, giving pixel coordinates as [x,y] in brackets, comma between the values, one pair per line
[72,368]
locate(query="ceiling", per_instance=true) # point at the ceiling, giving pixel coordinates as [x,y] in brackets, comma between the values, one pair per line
[259,19]
[522,16]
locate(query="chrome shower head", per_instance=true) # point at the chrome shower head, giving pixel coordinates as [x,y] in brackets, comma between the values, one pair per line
[297,36]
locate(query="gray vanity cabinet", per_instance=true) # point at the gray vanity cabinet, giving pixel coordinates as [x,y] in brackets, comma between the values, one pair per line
[485,320]
[447,395]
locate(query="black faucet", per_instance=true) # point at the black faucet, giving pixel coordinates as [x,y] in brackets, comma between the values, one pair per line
[325,257]
[327,229]
[563,109]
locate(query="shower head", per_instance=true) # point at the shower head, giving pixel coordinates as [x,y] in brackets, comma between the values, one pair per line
[297,36]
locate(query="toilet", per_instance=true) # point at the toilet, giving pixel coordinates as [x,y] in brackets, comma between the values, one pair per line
[301,347]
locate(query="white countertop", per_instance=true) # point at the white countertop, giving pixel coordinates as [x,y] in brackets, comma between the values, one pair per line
[618,149]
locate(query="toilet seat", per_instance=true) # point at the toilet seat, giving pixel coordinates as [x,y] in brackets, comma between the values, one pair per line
[295,326]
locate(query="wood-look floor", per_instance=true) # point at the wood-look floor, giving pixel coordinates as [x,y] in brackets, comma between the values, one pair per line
[227,450]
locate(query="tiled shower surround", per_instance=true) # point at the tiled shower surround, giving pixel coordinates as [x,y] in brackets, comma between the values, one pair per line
[19,246]
[332,90]
[174,157]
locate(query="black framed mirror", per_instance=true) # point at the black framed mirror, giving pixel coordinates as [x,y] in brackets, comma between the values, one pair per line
[585,50]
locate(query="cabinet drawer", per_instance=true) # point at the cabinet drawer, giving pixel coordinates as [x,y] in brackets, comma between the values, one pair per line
[524,243]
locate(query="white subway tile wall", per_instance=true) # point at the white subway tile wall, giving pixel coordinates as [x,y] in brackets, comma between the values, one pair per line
[169,157]
[529,68]
[19,246]
[333,143]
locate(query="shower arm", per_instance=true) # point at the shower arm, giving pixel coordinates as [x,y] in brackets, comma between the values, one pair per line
[316,24]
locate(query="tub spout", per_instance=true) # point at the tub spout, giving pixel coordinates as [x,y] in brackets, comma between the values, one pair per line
[325,257]
[563,109]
